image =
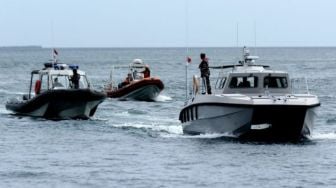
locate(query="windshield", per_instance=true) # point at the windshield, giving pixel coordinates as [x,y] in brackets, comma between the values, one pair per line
[64,82]
[244,82]
[275,82]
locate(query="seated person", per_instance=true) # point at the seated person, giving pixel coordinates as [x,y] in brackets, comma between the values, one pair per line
[127,81]
[56,84]
[138,75]
[233,83]
[245,83]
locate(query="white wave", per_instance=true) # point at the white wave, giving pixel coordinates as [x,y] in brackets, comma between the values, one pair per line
[324,136]
[4,111]
[171,129]
[11,92]
[202,136]
[163,98]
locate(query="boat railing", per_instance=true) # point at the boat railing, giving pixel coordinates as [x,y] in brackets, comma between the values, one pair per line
[299,86]
[198,84]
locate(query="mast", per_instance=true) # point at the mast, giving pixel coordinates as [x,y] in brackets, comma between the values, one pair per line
[53,58]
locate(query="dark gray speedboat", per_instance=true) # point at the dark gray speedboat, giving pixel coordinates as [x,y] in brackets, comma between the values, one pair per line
[55,94]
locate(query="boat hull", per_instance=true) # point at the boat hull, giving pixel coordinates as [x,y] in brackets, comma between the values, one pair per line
[255,122]
[143,90]
[59,104]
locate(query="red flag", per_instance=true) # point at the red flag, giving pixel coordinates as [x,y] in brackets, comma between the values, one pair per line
[189,59]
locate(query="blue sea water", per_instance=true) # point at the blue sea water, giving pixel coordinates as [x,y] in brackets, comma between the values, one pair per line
[140,144]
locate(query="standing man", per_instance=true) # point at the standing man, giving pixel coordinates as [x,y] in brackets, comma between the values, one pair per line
[75,79]
[205,72]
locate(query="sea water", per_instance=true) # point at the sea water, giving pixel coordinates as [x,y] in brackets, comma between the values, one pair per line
[140,144]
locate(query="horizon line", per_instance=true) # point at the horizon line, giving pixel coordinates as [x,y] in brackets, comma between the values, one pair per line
[121,47]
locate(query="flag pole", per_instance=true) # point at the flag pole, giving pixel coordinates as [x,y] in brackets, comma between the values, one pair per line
[53,42]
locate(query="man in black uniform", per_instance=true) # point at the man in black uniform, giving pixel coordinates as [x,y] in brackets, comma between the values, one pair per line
[75,79]
[205,72]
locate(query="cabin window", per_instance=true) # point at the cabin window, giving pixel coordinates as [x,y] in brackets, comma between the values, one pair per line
[188,117]
[194,111]
[191,114]
[244,82]
[220,83]
[60,81]
[44,82]
[83,83]
[275,82]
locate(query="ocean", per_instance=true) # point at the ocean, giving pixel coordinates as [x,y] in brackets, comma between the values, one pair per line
[141,144]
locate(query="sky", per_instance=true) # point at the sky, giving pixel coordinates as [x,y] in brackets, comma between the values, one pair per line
[167,23]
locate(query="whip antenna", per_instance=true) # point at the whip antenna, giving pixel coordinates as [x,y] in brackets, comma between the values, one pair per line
[237,35]
[255,37]
[188,59]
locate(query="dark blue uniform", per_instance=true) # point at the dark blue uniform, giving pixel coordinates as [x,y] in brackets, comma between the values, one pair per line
[205,73]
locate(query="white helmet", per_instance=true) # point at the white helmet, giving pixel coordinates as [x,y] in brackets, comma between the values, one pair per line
[137,61]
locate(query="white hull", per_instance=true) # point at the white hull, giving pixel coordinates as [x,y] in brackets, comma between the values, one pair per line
[248,118]
[217,119]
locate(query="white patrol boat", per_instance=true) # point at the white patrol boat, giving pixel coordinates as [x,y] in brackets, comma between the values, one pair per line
[250,101]
[60,91]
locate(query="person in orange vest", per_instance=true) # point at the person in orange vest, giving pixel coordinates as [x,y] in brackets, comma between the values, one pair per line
[146,72]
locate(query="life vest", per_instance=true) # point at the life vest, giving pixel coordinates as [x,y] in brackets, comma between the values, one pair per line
[146,73]
[37,87]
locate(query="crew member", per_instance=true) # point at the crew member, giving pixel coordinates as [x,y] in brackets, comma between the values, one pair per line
[205,72]
[127,81]
[75,79]
[56,84]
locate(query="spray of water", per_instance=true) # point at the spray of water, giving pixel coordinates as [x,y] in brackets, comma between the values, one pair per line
[163,98]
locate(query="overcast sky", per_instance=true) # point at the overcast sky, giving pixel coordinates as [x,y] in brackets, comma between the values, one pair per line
[167,23]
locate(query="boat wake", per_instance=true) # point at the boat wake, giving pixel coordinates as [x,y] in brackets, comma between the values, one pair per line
[156,127]
[162,98]
[324,136]
[6,92]
[202,136]
[169,131]
[3,111]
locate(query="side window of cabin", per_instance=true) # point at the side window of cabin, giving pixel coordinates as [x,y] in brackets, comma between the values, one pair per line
[83,82]
[244,82]
[275,82]
[220,83]
[44,82]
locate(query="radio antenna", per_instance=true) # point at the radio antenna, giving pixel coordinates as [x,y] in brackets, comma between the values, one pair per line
[188,59]
[237,35]
[255,37]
